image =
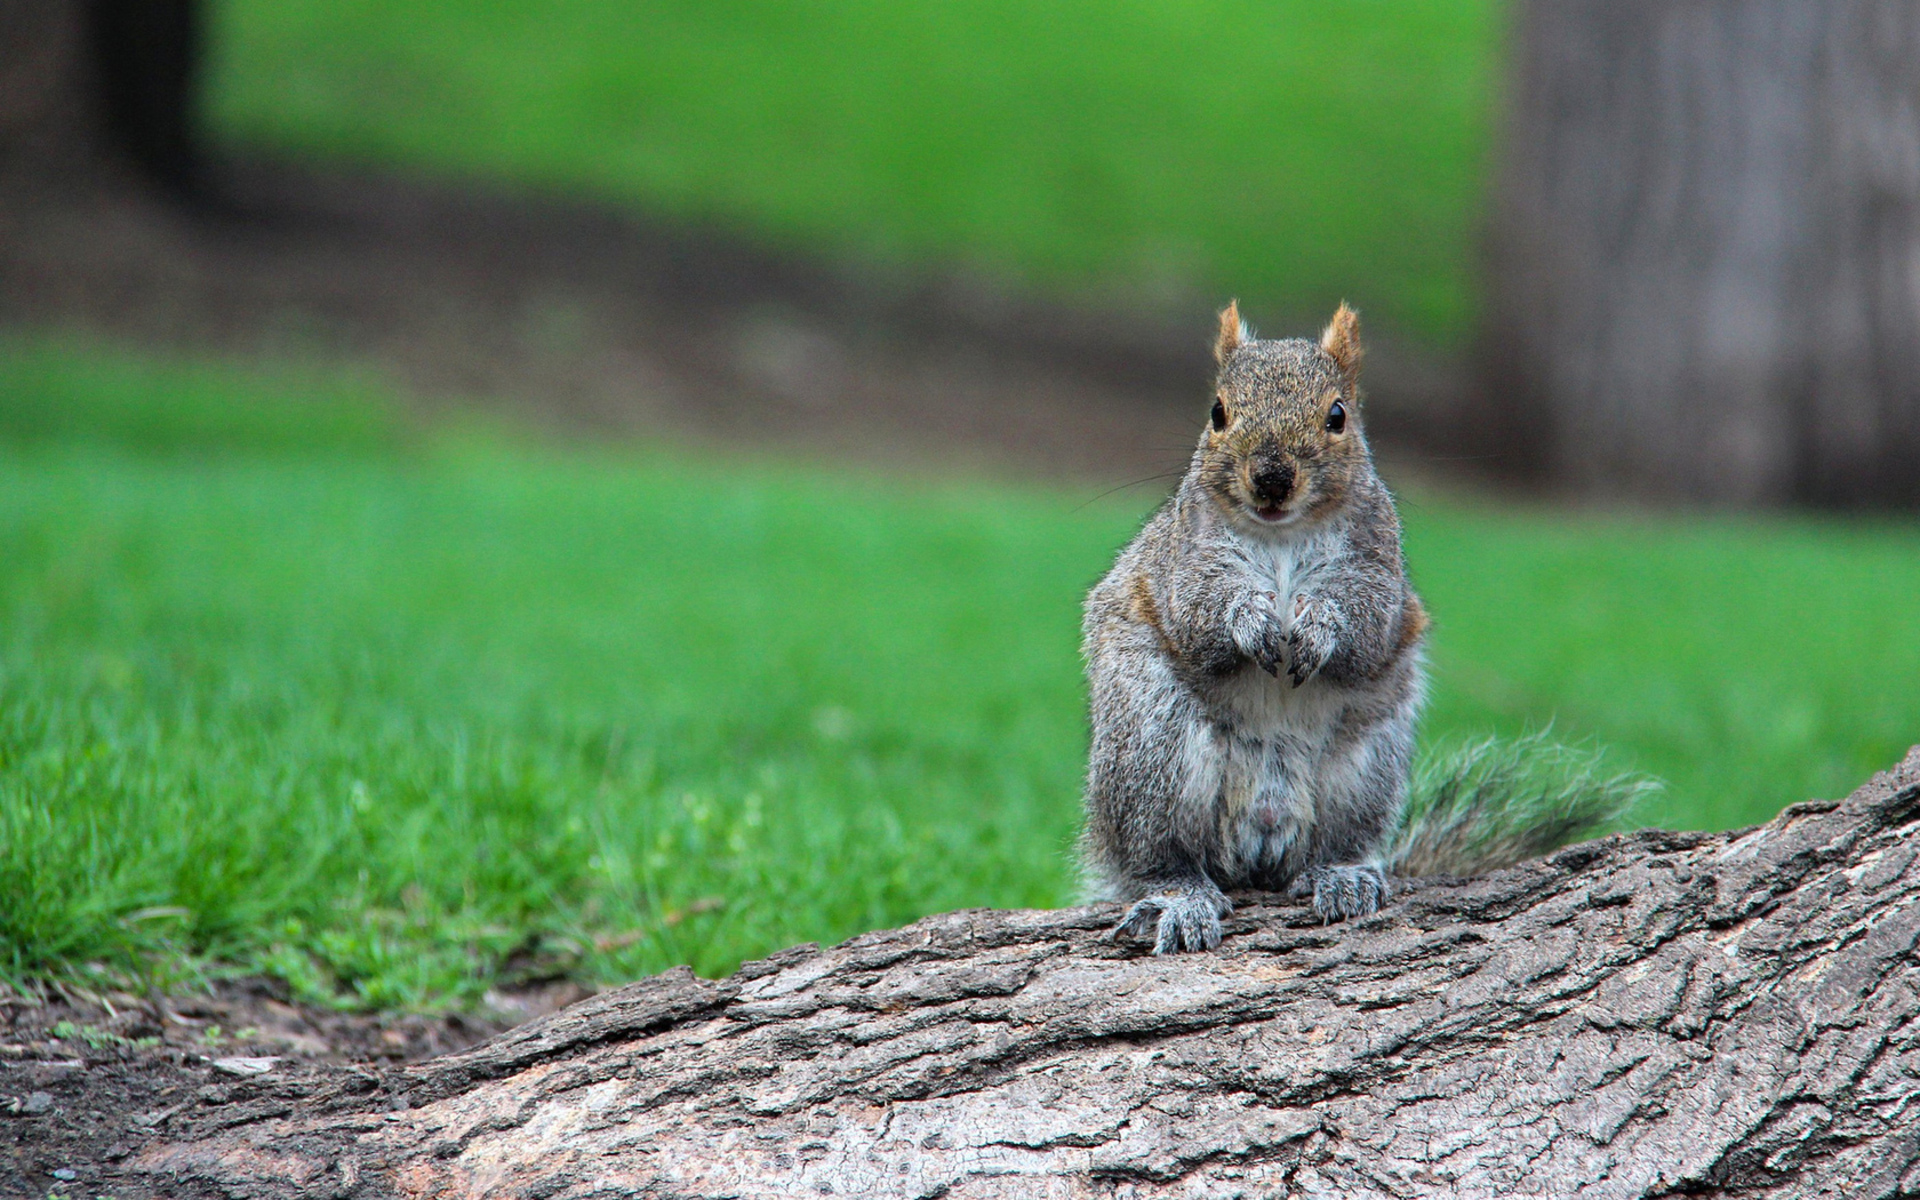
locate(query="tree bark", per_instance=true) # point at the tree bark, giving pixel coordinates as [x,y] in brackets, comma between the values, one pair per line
[1704,276]
[1651,1014]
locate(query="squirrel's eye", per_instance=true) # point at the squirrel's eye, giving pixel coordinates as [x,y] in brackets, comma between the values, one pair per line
[1336,417]
[1219,415]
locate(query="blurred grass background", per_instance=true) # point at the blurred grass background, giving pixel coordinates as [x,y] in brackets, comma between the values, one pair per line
[402,714]
[1133,153]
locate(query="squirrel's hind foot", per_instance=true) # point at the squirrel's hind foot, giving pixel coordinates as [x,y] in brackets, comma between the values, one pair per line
[1184,920]
[1342,892]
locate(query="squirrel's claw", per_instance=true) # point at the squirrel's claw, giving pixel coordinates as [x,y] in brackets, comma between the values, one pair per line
[1343,892]
[1307,652]
[1271,661]
[1267,646]
[1187,920]
[1134,924]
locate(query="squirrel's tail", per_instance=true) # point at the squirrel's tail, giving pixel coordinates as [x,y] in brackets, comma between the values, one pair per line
[1485,805]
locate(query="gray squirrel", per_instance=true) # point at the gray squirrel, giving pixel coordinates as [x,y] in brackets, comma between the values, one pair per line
[1255,659]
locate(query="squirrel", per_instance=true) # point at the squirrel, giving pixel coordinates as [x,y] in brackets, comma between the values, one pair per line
[1255,659]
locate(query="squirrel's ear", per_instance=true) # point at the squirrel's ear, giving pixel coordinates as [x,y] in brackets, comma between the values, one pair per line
[1341,340]
[1233,332]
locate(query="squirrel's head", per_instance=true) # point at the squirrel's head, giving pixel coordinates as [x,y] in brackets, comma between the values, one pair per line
[1283,446]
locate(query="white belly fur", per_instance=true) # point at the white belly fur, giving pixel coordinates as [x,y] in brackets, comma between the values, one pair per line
[1276,761]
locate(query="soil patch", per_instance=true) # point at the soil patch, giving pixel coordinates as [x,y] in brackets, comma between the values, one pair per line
[86,1081]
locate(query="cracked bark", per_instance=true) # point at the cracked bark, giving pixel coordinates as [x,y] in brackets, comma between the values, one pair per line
[1652,1014]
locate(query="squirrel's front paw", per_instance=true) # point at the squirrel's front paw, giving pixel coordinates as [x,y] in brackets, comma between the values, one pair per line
[1183,920]
[1258,631]
[1342,892]
[1310,642]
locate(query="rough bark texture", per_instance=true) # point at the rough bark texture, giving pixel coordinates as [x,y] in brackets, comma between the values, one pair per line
[1651,1014]
[1705,275]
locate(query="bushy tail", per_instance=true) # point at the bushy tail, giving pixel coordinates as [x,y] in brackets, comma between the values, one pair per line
[1484,805]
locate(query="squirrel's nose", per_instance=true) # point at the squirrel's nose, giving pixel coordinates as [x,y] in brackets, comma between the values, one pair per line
[1273,482]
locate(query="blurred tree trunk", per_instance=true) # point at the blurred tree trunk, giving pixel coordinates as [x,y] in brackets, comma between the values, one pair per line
[148,56]
[82,81]
[1705,251]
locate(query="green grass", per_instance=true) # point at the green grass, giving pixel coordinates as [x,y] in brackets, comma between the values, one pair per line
[1292,153]
[1747,661]
[399,715]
